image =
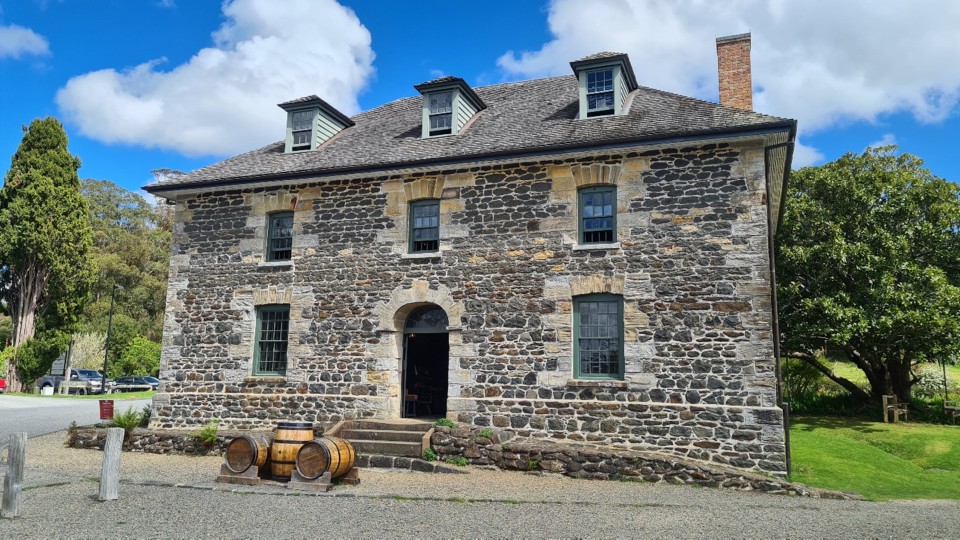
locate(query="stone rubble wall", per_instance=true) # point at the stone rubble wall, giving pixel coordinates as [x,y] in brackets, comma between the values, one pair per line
[690,263]
[502,450]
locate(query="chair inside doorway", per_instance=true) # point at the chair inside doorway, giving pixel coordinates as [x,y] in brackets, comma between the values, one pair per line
[426,361]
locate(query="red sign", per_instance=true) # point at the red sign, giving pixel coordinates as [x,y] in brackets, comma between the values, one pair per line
[106,409]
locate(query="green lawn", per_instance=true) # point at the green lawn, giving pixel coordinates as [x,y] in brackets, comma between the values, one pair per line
[879,461]
[851,372]
[120,396]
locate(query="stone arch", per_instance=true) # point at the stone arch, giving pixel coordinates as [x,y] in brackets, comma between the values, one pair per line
[403,300]
[596,174]
[596,284]
[423,188]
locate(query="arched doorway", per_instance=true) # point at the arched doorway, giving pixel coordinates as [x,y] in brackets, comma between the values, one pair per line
[426,354]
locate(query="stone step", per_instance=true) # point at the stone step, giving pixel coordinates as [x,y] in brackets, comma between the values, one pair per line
[392,425]
[382,435]
[389,448]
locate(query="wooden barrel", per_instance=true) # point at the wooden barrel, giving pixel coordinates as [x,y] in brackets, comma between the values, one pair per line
[246,451]
[325,454]
[286,443]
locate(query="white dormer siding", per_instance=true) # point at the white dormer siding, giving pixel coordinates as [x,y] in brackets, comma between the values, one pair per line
[311,121]
[606,79]
[448,104]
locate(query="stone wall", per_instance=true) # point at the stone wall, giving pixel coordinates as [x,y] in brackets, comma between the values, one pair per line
[690,262]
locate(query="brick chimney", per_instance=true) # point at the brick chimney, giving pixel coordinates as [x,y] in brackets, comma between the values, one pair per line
[733,61]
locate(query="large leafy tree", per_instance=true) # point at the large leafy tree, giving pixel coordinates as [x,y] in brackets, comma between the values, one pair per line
[868,264]
[132,249]
[45,240]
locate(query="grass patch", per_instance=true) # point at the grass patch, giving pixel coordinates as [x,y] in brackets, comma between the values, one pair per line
[120,396]
[879,461]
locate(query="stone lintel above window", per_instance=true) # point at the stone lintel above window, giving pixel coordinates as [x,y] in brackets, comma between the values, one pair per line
[311,121]
[605,81]
[448,104]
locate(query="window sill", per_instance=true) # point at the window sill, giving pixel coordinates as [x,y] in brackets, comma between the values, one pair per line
[595,247]
[265,379]
[275,264]
[428,255]
[597,383]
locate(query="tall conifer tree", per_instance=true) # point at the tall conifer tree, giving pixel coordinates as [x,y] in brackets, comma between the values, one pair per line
[45,237]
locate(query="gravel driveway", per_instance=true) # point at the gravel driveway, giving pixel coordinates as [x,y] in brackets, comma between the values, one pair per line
[175,496]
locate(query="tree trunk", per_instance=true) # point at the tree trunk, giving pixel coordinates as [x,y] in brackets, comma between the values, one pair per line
[901,379]
[30,284]
[854,390]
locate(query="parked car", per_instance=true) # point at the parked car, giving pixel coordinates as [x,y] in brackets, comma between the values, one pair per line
[133,383]
[91,379]
[3,385]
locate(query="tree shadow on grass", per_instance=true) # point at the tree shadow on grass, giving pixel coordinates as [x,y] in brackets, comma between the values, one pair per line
[810,423]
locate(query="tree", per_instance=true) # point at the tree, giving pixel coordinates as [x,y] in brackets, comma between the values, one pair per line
[141,357]
[45,239]
[131,248]
[868,264]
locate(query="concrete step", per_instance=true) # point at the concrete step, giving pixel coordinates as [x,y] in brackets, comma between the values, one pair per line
[382,435]
[388,448]
[392,425]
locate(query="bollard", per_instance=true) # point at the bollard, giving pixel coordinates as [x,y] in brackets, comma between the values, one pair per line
[110,476]
[13,480]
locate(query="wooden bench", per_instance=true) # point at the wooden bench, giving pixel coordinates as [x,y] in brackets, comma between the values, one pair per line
[66,386]
[952,408]
[893,409]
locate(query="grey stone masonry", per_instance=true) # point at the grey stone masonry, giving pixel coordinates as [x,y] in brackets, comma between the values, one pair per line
[690,261]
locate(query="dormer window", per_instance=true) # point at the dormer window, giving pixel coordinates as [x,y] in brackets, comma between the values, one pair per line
[449,104]
[311,121]
[441,113]
[600,92]
[606,79]
[302,129]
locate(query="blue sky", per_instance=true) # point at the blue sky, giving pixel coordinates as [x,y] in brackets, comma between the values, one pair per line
[149,84]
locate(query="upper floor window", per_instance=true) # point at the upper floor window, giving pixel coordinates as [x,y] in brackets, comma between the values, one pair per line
[598,336]
[598,215]
[270,349]
[302,130]
[600,92]
[441,113]
[424,226]
[280,236]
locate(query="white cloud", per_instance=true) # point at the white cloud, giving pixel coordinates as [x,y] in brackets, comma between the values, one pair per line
[805,156]
[823,63]
[16,41]
[223,100]
[886,140]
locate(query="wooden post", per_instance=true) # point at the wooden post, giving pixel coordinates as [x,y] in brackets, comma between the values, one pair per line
[110,476]
[13,480]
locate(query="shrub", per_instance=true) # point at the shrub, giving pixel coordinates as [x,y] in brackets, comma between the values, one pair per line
[458,461]
[206,437]
[145,415]
[88,350]
[930,381]
[800,378]
[429,455]
[485,433]
[128,420]
[141,356]
[445,422]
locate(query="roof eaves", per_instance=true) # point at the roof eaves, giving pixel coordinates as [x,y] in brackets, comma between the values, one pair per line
[669,138]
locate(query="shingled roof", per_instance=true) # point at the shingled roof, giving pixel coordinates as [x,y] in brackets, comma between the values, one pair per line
[528,117]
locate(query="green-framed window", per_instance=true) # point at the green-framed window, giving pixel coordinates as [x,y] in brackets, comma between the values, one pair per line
[270,349]
[600,92]
[424,226]
[598,336]
[597,222]
[280,236]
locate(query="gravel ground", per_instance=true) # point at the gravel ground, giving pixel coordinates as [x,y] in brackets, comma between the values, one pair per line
[175,496]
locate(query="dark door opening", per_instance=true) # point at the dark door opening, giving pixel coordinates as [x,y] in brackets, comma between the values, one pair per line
[426,354]
[425,379]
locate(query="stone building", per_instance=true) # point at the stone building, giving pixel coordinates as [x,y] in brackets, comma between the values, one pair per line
[577,257]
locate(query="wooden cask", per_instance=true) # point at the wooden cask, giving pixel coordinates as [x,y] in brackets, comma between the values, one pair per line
[246,451]
[325,454]
[289,438]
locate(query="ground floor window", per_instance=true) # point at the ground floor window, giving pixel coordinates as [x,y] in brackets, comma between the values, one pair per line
[598,336]
[270,349]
